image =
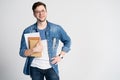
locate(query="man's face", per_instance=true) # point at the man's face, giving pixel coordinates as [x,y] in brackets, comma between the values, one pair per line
[40,13]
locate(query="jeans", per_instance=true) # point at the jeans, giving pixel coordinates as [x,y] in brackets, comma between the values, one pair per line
[39,74]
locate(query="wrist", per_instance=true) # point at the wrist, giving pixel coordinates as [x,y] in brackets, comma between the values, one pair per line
[61,56]
[30,52]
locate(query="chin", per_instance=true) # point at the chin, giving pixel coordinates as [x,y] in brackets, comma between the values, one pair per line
[42,20]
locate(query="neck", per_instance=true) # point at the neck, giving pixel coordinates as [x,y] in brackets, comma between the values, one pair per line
[42,25]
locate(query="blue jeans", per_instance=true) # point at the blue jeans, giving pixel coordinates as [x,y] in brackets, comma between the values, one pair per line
[39,74]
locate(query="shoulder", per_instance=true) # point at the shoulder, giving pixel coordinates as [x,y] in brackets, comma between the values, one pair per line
[54,25]
[56,29]
[29,28]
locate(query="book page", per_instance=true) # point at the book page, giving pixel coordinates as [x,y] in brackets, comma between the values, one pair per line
[27,35]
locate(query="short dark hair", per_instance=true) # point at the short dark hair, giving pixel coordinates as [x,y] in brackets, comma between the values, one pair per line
[36,4]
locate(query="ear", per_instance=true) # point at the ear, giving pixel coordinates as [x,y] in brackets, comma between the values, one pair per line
[34,14]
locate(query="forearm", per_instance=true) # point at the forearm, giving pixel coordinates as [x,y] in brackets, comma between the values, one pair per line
[66,45]
[37,48]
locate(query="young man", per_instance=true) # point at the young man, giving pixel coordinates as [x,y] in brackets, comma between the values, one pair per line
[50,34]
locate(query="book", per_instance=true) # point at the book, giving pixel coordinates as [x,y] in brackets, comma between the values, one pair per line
[32,42]
[34,34]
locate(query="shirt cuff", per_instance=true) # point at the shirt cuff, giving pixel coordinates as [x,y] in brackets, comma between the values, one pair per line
[65,49]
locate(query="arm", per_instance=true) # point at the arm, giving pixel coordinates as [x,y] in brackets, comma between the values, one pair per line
[65,39]
[37,48]
[23,46]
[24,51]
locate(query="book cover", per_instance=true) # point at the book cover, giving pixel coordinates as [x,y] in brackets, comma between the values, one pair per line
[32,41]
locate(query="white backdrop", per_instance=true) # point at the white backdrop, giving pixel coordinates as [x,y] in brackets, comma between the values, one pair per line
[93,26]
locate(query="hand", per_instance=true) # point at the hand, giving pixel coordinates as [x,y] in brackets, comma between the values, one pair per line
[28,52]
[56,60]
[38,47]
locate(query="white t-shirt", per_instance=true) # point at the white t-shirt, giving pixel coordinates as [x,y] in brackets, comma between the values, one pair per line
[42,62]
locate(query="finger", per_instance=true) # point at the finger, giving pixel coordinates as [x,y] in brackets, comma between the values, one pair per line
[53,58]
[54,62]
[38,44]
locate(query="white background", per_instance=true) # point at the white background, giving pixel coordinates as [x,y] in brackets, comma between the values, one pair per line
[93,25]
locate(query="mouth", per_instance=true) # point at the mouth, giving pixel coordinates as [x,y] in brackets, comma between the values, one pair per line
[41,16]
[42,19]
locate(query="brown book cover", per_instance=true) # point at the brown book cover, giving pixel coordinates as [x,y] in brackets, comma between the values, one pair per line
[32,41]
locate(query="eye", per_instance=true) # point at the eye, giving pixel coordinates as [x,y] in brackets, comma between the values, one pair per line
[42,11]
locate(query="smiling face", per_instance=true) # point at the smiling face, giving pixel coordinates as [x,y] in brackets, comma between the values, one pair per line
[40,13]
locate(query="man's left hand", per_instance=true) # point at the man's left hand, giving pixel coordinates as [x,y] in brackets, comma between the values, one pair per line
[56,59]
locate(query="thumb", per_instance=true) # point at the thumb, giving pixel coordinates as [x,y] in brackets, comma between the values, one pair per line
[38,43]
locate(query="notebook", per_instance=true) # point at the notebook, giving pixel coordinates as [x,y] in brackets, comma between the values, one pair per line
[32,41]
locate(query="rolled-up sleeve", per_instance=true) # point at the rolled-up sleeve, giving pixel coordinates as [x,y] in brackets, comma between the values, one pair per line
[22,46]
[65,39]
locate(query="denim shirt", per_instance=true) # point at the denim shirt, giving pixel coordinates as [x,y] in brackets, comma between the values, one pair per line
[53,33]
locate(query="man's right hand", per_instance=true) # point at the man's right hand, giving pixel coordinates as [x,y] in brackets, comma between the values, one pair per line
[28,52]
[37,48]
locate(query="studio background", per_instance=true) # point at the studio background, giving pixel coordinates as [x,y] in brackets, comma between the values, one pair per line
[93,25]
